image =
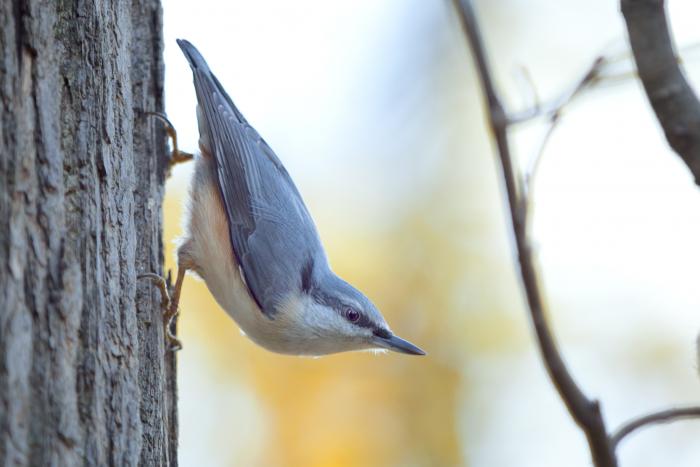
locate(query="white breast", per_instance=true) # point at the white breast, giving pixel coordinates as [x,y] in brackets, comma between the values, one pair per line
[206,249]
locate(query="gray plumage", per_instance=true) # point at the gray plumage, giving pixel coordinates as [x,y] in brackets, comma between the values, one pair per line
[272,233]
[294,303]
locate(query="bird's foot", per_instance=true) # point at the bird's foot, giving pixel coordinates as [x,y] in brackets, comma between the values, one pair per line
[176,156]
[170,308]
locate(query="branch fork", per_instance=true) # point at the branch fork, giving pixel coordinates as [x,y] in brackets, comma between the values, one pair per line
[586,412]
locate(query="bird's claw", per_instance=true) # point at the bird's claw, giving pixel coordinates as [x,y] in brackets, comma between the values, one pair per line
[170,309]
[176,156]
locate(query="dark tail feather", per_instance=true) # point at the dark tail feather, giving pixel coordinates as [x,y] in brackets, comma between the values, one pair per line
[203,73]
[196,60]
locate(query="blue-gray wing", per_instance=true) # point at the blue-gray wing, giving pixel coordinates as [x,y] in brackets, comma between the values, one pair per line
[272,233]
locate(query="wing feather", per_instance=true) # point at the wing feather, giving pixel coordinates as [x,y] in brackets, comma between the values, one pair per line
[271,230]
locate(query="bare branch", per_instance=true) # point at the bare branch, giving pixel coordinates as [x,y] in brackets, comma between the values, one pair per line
[663,416]
[552,109]
[531,170]
[673,100]
[584,411]
[528,87]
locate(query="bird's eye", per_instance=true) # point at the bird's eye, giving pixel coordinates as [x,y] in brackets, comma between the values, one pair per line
[352,315]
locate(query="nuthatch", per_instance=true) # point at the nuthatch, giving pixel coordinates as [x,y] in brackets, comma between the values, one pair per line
[252,240]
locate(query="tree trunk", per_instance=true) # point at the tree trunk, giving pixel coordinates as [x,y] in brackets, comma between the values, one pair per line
[84,378]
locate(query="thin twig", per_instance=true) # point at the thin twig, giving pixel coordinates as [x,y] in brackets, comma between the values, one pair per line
[593,76]
[585,412]
[523,74]
[549,109]
[553,111]
[663,416]
[531,170]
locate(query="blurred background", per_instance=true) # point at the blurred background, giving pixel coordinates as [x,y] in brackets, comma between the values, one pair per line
[374,108]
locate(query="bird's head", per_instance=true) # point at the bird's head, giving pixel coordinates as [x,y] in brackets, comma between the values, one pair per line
[338,318]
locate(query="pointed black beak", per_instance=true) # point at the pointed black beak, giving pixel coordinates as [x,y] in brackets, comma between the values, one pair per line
[397,344]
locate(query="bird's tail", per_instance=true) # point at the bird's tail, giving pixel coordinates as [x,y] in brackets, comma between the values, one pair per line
[204,79]
[196,60]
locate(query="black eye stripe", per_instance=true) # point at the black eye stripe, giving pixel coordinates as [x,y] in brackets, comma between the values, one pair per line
[340,308]
[363,322]
[356,317]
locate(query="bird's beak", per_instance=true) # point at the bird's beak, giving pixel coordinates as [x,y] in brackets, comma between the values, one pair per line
[397,344]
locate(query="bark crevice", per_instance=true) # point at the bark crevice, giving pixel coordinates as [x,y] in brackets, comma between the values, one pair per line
[84,378]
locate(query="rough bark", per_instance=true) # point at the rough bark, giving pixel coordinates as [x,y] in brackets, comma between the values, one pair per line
[84,378]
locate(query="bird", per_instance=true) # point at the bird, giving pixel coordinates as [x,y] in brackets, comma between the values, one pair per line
[251,238]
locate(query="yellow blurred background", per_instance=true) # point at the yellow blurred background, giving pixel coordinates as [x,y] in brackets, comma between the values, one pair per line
[374,109]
